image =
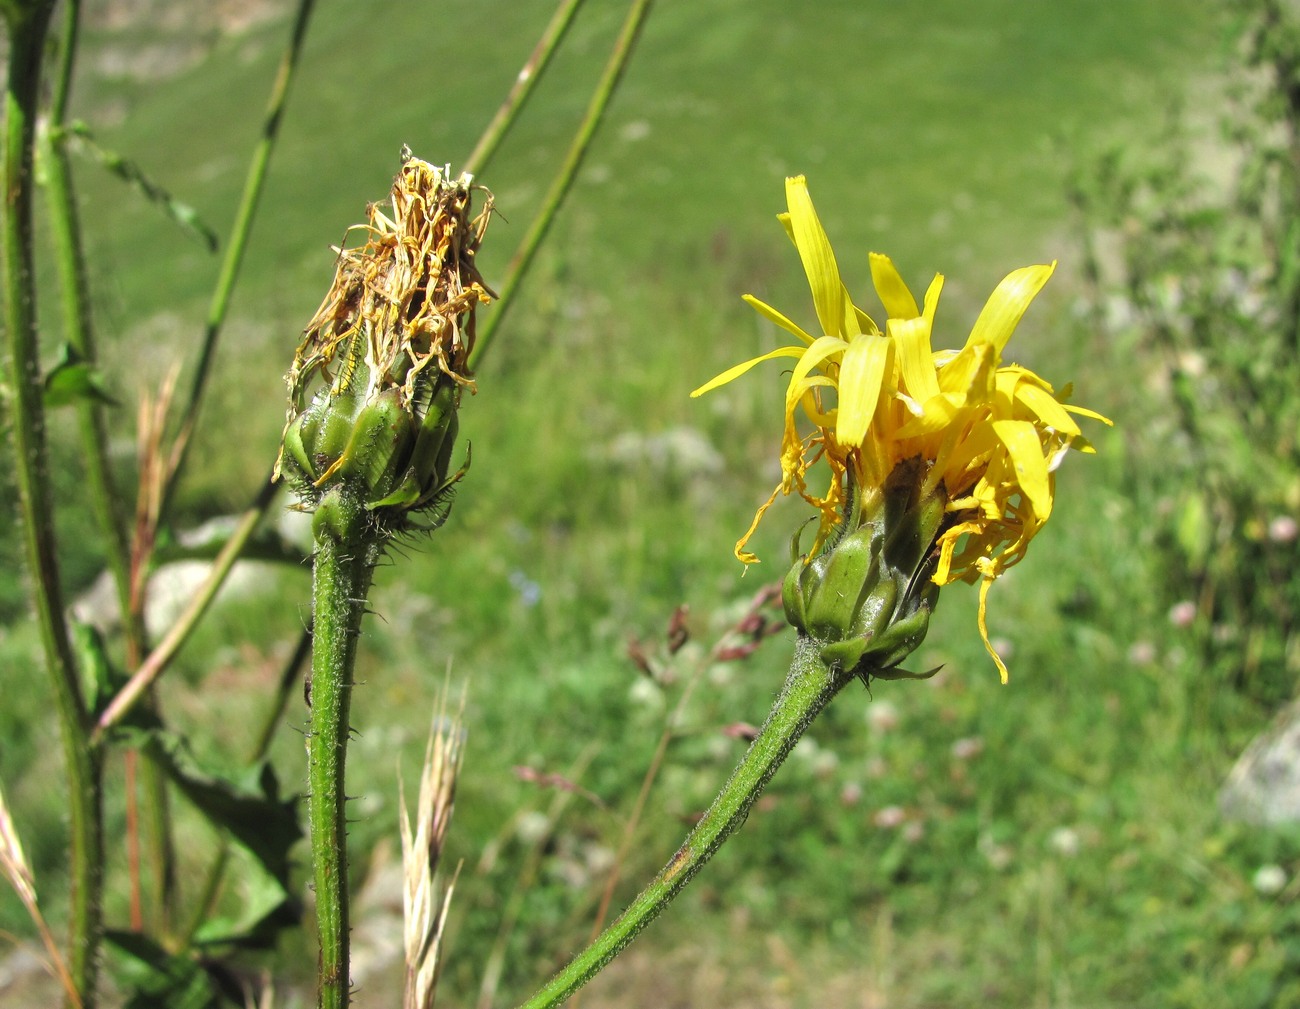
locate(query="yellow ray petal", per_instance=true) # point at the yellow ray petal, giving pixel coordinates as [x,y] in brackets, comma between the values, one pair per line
[1032,477]
[985,585]
[866,324]
[932,297]
[937,413]
[772,315]
[736,371]
[1084,412]
[862,374]
[1003,311]
[822,418]
[817,256]
[912,337]
[1043,406]
[822,349]
[893,292]
[970,373]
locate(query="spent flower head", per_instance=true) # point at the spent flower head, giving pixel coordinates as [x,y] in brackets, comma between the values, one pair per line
[387,352]
[958,447]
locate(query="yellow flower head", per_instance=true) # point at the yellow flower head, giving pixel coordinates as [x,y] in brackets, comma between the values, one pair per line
[990,436]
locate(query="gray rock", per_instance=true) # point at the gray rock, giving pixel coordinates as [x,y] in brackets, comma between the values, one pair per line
[1264,785]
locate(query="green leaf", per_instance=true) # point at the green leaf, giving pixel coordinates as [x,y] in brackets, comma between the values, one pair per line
[73,379]
[156,978]
[262,909]
[131,173]
[248,806]
[100,677]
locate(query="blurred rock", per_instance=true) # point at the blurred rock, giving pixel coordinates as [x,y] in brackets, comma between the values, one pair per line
[171,588]
[25,981]
[677,451]
[1264,786]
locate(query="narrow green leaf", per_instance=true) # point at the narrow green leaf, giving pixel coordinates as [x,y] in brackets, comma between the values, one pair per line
[133,175]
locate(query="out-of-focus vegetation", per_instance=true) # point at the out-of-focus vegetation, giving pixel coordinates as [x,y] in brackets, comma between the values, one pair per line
[953,843]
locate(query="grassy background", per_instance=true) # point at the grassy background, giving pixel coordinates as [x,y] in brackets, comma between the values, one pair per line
[953,843]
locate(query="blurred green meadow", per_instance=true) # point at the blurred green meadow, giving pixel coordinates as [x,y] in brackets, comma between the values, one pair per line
[1054,842]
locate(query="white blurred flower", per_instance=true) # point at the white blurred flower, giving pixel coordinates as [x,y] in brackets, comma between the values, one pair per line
[882,716]
[646,693]
[532,827]
[1269,880]
[1064,841]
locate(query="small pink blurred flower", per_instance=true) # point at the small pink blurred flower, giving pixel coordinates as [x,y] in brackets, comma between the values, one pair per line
[1142,653]
[965,749]
[1182,614]
[889,817]
[1283,529]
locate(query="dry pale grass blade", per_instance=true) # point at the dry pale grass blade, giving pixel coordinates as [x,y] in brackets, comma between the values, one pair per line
[157,464]
[14,865]
[12,859]
[424,902]
[262,997]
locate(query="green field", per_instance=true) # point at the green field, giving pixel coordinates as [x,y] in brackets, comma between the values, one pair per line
[1054,842]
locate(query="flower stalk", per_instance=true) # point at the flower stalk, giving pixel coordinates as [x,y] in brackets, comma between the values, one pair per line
[809,687]
[27,24]
[941,468]
[341,582]
[374,392]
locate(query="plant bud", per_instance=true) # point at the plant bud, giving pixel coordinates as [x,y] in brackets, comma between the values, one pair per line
[867,597]
[389,349]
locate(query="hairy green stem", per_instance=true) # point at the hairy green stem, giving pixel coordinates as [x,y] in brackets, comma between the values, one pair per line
[27,24]
[70,261]
[809,687]
[525,81]
[254,184]
[106,502]
[341,580]
[600,100]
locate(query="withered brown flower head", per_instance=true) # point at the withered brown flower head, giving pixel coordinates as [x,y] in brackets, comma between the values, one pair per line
[384,361]
[404,301]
